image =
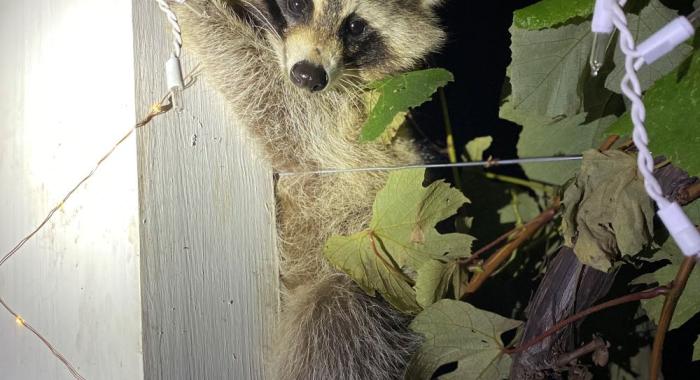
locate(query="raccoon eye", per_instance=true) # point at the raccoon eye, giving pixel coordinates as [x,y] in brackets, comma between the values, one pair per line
[356,27]
[297,7]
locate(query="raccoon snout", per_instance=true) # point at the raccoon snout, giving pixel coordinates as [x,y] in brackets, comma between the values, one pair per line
[309,76]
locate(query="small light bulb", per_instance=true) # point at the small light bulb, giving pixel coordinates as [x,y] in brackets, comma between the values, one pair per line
[19,321]
[599,50]
[176,97]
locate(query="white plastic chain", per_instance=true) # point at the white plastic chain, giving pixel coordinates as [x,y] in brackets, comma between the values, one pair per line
[173,67]
[632,89]
[609,13]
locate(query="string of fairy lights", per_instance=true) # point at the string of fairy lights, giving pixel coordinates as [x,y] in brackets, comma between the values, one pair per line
[157,109]
[176,85]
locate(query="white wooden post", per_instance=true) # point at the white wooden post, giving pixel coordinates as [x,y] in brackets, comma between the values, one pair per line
[163,266]
[209,268]
[66,96]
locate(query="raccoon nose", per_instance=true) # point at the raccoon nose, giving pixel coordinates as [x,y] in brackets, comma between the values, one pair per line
[307,75]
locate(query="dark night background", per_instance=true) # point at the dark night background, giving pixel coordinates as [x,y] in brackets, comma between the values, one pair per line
[477,53]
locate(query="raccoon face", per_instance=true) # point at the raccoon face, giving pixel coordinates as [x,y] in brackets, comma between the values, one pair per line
[327,42]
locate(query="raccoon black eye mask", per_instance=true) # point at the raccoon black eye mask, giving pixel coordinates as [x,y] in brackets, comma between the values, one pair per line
[300,10]
[363,46]
[330,30]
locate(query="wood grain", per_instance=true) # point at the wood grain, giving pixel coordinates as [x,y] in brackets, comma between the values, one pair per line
[208,258]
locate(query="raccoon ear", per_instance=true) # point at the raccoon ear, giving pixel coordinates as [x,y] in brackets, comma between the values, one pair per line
[431,3]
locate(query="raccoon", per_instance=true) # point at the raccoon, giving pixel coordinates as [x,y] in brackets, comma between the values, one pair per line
[293,72]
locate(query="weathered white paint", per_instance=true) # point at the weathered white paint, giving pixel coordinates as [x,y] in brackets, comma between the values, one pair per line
[209,268]
[66,95]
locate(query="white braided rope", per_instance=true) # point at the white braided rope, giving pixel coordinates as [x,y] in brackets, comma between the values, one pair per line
[175,25]
[173,67]
[631,88]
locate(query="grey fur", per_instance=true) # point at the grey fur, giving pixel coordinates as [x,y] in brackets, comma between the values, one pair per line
[330,328]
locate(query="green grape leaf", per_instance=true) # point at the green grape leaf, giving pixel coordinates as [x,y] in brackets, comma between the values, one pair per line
[405,214]
[398,94]
[652,18]
[372,270]
[607,212]
[549,13]
[433,280]
[522,208]
[458,332]
[673,116]
[696,349]
[489,192]
[477,147]
[543,136]
[636,369]
[403,231]
[547,69]
[688,304]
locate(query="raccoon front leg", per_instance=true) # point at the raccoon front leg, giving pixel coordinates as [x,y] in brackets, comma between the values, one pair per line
[235,41]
